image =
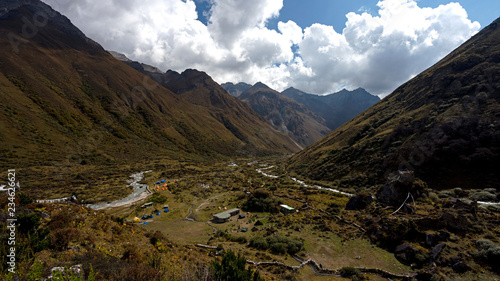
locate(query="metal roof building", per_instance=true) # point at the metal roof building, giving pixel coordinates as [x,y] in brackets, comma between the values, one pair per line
[226,215]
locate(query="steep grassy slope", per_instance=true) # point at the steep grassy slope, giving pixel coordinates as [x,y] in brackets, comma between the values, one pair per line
[62,94]
[245,124]
[443,124]
[198,88]
[336,108]
[285,114]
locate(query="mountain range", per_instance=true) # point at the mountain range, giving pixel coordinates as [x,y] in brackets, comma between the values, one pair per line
[199,88]
[336,108]
[236,89]
[65,97]
[285,114]
[443,124]
[308,117]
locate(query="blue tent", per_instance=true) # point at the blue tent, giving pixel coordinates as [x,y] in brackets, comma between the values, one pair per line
[166,210]
[157,182]
[157,214]
[145,222]
[162,181]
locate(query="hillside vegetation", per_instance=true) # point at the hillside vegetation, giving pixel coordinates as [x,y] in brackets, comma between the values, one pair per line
[70,109]
[442,124]
[285,114]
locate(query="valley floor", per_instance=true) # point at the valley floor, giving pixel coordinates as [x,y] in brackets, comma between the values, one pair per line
[335,242]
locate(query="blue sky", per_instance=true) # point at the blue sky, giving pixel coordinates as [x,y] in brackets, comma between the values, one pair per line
[332,12]
[318,46]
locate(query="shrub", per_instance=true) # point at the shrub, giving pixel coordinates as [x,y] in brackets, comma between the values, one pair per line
[60,239]
[349,272]
[239,239]
[277,244]
[488,252]
[482,195]
[132,254]
[155,237]
[25,199]
[28,222]
[60,220]
[232,267]
[446,194]
[158,198]
[259,243]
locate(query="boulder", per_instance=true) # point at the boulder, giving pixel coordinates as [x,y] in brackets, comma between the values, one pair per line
[407,254]
[460,267]
[455,222]
[436,251]
[359,202]
[397,188]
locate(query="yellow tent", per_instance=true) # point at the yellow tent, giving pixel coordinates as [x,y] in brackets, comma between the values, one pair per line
[136,219]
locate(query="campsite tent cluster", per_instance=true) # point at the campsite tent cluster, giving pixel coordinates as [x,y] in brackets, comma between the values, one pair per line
[162,185]
[150,216]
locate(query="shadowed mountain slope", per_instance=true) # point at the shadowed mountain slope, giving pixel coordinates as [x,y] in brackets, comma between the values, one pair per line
[443,124]
[64,98]
[199,88]
[336,108]
[285,114]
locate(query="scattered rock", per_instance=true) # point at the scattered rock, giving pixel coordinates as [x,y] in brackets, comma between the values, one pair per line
[397,188]
[435,251]
[76,270]
[407,254]
[455,222]
[429,239]
[444,235]
[359,202]
[460,267]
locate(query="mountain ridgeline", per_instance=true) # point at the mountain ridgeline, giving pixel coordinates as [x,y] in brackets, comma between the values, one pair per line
[336,108]
[329,111]
[198,88]
[285,114]
[236,89]
[64,98]
[443,124]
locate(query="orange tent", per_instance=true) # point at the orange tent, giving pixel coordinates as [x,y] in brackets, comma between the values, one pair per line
[165,184]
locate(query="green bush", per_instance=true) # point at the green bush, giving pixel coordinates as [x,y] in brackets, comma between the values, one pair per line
[482,195]
[158,198]
[28,223]
[488,252]
[232,267]
[239,239]
[351,272]
[277,244]
[259,243]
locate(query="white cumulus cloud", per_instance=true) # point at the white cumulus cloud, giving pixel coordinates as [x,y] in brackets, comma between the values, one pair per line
[375,51]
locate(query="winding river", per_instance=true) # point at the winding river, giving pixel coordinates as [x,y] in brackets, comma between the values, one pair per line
[139,192]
